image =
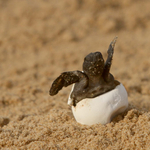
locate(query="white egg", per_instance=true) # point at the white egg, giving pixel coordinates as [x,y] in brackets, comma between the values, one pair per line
[101,109]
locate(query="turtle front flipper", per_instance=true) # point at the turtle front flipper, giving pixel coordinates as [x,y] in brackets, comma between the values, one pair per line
[66,79]
[106,74]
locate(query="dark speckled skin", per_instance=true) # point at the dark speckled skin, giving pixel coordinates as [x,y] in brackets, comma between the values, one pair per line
[93,81]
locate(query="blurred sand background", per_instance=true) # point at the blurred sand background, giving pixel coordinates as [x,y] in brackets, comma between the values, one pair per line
[39,39]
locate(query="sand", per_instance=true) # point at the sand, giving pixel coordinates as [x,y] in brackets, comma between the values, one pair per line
[40,39]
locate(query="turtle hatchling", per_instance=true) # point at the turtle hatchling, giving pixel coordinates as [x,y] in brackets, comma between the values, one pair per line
[96,96]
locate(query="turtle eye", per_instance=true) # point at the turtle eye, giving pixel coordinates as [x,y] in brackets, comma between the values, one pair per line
[88,58]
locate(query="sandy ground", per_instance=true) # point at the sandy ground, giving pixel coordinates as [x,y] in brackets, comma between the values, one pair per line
[39,39]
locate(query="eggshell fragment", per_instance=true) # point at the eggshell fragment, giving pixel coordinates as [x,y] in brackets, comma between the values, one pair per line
[101,109]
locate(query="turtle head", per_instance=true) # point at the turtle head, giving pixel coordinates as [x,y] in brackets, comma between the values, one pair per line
[93,64]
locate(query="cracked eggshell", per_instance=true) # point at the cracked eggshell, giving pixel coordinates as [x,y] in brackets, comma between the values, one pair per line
[101,109]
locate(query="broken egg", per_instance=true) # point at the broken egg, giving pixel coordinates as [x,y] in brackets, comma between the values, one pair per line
[101,109]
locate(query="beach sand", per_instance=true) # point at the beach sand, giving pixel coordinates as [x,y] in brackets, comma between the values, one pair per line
[39,40]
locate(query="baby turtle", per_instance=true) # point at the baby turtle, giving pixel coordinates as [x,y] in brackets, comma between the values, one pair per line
[94,80]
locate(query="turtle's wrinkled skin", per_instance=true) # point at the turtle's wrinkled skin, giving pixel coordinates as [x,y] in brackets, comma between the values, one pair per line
[94,80]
